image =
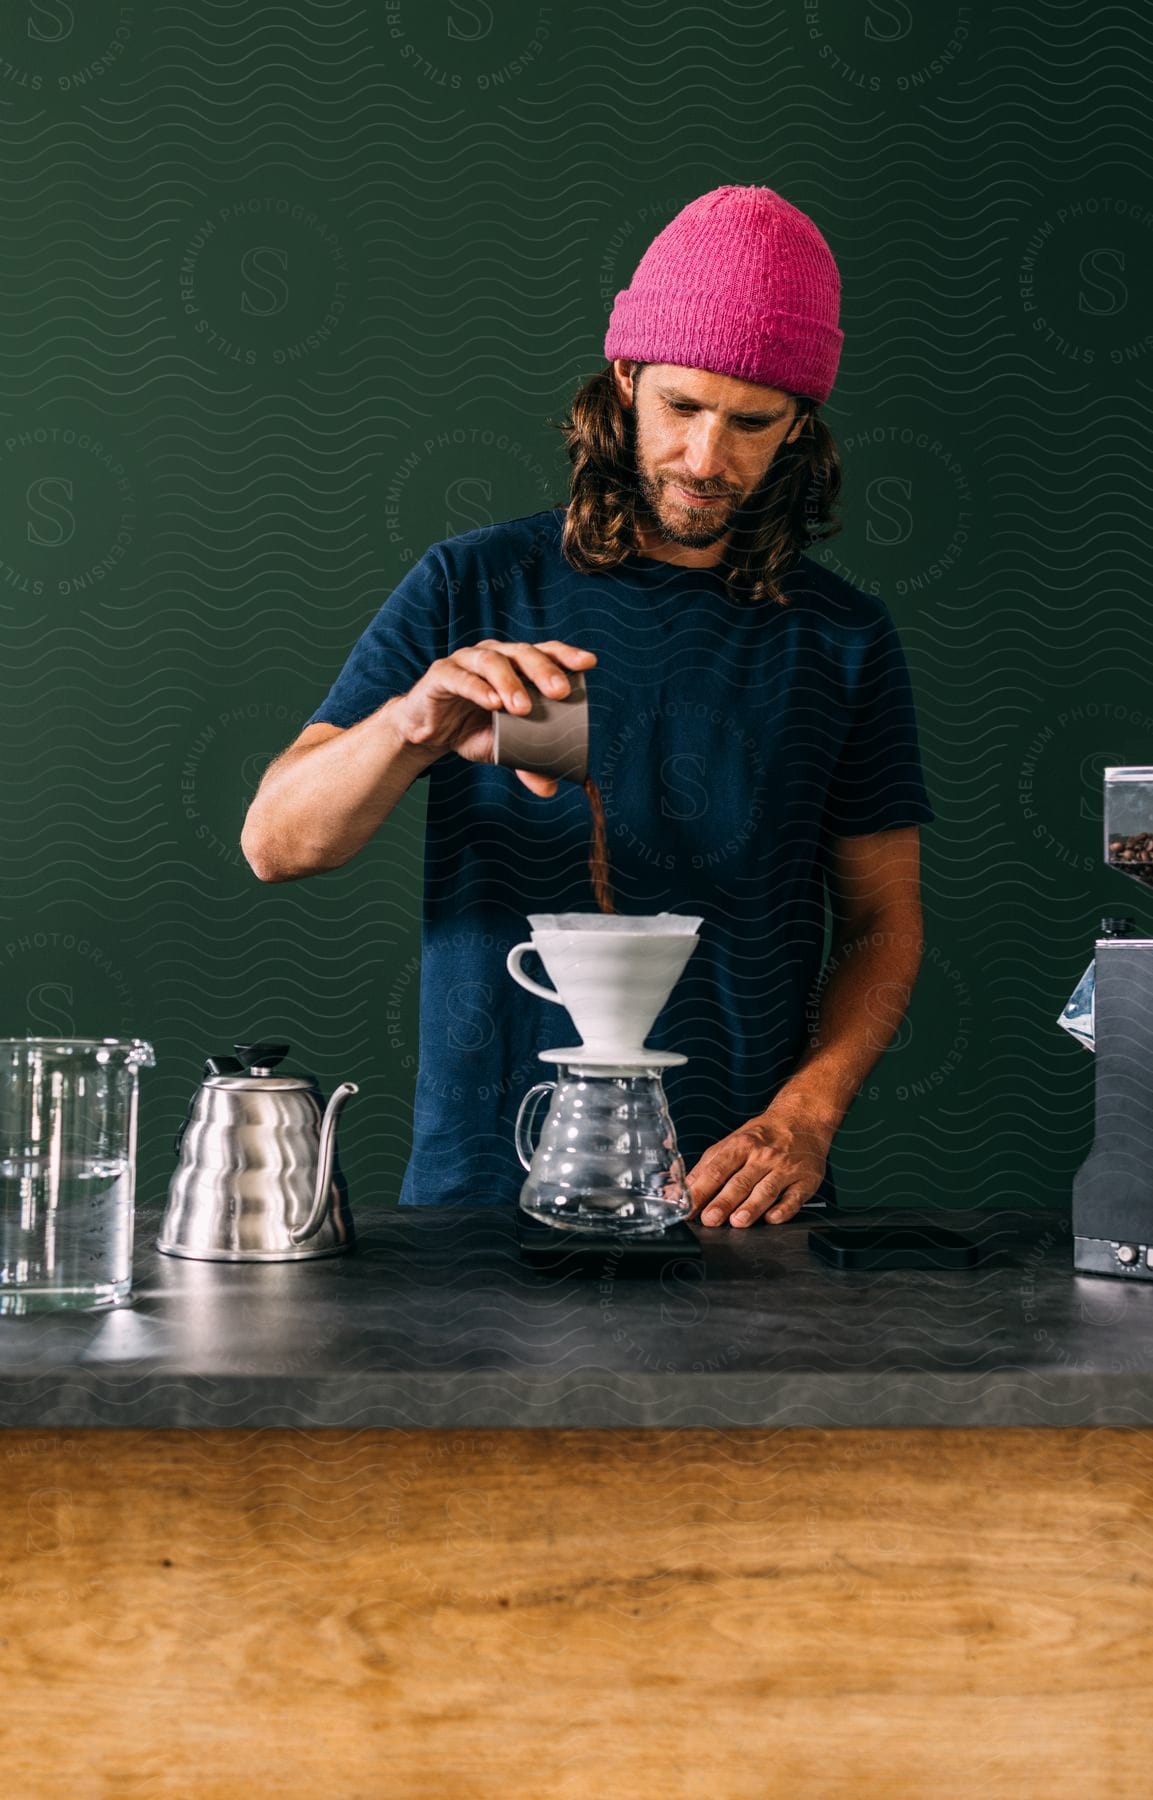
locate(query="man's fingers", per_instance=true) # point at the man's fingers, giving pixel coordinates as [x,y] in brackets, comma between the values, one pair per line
[544,665]
[755,1204]
[789,1205]
[544,785]
[747,1197]
[734,1192]
[571,655]
[750,1176]
[769,1196]
[708,1177]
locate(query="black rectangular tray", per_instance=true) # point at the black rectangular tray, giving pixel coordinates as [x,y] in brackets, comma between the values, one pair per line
[585,1253]
[912,1244]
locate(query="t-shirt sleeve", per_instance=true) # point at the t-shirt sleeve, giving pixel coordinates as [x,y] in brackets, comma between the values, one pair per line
[877,784]
[409,632]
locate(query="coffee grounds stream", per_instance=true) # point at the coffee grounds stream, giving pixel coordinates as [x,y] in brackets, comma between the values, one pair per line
[599,872]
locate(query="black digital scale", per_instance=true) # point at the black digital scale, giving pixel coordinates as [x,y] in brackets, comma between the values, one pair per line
[608,1253]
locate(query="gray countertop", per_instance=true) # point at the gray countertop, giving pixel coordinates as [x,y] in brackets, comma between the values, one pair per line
[434,1321]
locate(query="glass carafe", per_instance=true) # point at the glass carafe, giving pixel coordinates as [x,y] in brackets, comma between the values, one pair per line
[607,1158]
[67,1170]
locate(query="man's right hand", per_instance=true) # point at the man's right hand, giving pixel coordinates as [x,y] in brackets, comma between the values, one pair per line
[451,706]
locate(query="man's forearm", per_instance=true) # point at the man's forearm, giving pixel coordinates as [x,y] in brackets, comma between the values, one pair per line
[865,998]
[319,804]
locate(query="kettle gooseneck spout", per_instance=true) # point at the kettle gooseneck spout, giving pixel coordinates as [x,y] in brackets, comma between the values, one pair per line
[324,1161]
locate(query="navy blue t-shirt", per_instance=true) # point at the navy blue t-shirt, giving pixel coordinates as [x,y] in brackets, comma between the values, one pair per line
[730,743]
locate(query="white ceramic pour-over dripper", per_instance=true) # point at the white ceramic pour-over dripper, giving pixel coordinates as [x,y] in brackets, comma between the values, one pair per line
[613,974]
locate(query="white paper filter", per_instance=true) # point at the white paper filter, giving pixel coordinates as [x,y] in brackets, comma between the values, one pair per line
[665,924]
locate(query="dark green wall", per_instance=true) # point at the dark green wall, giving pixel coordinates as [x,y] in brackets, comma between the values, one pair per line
[271,273]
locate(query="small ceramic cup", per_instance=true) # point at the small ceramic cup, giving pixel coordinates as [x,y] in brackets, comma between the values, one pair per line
[552,739]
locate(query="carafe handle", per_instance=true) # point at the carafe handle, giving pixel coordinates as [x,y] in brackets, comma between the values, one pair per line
[512,964]
[523,1124]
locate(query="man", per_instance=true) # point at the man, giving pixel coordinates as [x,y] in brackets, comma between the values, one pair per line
[751,729]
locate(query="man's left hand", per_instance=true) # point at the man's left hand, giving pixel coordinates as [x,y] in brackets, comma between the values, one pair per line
[771,1165]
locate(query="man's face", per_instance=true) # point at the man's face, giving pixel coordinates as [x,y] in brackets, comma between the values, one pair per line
[704,443]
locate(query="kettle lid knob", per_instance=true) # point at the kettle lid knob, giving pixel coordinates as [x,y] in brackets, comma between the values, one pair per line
[261,1054]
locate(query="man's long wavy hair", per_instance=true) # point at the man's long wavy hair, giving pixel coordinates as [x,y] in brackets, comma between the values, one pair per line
[792,509]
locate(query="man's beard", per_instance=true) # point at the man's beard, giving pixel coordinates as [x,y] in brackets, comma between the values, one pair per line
[679,523]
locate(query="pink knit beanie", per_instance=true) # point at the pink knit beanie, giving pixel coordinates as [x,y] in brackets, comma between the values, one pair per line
[740,283]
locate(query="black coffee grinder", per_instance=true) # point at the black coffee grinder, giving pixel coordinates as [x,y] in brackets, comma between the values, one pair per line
[1113,1188]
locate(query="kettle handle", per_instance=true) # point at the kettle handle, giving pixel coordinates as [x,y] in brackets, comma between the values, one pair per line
[321,1193]
[521,1135]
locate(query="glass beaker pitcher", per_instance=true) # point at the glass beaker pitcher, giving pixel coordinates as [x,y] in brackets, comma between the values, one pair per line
[607,1159]
[67,1170]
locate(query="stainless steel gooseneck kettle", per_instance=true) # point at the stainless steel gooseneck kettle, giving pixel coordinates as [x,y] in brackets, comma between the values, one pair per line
[257,1178]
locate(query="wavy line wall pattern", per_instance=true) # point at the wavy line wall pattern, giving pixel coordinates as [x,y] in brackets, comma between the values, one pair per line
[291,291]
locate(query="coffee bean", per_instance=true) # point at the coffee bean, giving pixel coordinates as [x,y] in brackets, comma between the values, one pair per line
[1134,855]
